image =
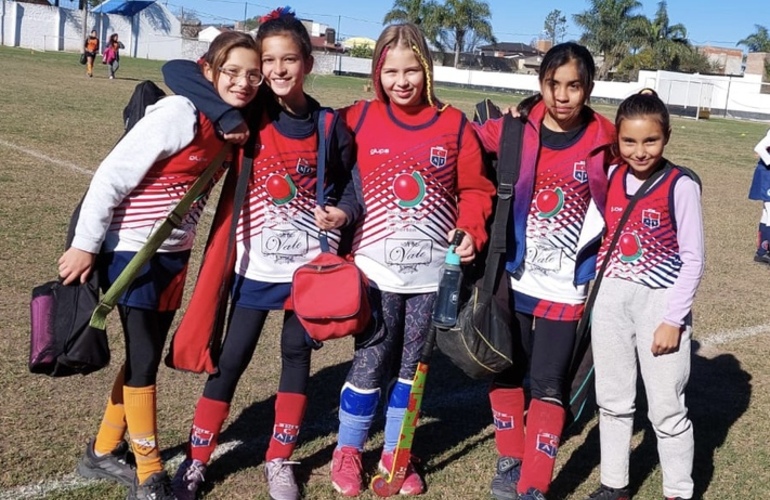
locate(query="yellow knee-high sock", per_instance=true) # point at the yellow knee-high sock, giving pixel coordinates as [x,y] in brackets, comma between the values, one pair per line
[113,426]
[143,429]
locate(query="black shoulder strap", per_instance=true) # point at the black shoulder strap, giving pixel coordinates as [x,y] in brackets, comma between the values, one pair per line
[323,155]
[508,167]
[486,110]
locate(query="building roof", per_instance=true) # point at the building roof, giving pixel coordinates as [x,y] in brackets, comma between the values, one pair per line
[510,48]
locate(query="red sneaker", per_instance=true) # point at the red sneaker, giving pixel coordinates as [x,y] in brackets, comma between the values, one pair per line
[347,471]
[413,483]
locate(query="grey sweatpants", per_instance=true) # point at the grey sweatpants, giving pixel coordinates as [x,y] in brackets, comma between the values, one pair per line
[625,317]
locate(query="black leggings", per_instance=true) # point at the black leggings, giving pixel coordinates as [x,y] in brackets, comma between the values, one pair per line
[544,348]
[145,333]
[244,330]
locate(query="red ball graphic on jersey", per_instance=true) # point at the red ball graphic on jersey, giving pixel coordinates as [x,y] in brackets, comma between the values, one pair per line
[409,189]
[549,202]
[280,188]
[630,247]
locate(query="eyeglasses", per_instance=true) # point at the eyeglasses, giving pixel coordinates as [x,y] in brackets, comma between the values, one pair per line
[253,78]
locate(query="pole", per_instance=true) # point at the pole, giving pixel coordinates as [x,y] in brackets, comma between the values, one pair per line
[85,25]
[2,25]
[245,15]
[337,53]
[727,97]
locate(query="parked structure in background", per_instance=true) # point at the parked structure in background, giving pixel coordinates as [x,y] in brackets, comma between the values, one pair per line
[155,33]
[728,60]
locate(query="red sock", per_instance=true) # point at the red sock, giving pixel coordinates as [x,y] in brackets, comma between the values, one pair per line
[210,415]
[544,425]
[289,412]
[508,413]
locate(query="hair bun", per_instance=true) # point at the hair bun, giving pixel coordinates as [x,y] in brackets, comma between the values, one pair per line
[277,14]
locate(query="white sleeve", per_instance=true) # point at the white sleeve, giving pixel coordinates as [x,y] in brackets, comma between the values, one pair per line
[167,127]
[762,149]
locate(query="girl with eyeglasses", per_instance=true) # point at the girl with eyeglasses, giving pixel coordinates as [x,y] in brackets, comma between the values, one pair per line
[132,191]
[278,231]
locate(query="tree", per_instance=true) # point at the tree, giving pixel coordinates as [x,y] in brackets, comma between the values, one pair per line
[555,26]
[251,23]
[667,44]
[465,21]
[426,14]
[759,41]
[609,27]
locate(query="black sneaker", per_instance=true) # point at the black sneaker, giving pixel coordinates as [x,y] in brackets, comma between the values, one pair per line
[157,487]
[762,259]
[607,493]
[506,478]
[115,466]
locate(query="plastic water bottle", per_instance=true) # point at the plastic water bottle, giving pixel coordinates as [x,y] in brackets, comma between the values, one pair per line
[448,298]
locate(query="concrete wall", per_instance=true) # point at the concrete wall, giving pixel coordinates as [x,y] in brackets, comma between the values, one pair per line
[738,97]
[154,33]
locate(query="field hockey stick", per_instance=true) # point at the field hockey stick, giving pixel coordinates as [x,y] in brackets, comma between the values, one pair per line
[385,486]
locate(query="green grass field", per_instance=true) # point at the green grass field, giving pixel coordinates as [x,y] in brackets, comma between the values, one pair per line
[56,125]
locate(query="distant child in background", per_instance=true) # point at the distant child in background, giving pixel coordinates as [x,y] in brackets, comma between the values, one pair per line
[760,190]
[91,48]
[422,178]
[280,207]
[643,308]
[148,172]
[557,226]
[111,55]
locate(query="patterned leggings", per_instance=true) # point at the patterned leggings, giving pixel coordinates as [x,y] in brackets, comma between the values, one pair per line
[403,323]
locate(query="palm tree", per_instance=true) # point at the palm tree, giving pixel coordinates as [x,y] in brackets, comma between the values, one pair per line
[425,13]
[668,44]
[759,41]
[465,21]
[611,28]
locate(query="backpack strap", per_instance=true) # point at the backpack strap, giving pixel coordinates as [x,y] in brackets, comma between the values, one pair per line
[508,168]
[172,221]
[324,136]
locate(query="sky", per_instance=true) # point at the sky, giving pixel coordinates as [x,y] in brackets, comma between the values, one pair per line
[708,22]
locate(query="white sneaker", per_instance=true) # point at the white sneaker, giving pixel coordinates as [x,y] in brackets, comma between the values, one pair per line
[280,480]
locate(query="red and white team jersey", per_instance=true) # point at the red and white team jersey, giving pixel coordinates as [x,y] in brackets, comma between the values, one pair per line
[648,250]
[408,181]
[276,230]
[136,217]
[556,214]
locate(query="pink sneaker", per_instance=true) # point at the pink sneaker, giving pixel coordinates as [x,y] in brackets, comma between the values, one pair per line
[347,471]
[413,483]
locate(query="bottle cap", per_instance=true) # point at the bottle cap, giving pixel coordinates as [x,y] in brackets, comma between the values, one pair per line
[452,257]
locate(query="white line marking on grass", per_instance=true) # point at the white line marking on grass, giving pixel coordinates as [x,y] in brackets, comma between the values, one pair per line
[41,156]
[61,163]
[74,480]
[733,335]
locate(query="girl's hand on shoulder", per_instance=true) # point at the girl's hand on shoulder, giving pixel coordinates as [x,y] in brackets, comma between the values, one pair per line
[465,249]
[239,135]
[328,217]
[665,339]
[76,264]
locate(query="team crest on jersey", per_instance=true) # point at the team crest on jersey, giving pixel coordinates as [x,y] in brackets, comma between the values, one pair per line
[438,156]
[285,433]
[200,437]
[548,444]
[303,167]
[579,171]
[502,421]
[651,218]
[281,188]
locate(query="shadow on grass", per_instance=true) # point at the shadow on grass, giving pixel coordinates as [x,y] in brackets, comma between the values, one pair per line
[449,397]
[718,394]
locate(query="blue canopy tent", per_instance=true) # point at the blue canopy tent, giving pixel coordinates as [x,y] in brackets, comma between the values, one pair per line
[123,7]
[127,8]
